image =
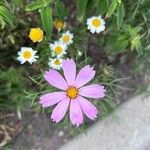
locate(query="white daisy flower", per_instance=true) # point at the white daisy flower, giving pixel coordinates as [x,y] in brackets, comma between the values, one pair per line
[96,24]
[27,54]
[67,38]
[56,63]
[58,48]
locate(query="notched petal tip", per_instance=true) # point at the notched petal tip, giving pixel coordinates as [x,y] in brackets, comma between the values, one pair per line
[103,90]
[77,123]
[68,60]
[47,72]
[91,68]
[94,117]
[54,119]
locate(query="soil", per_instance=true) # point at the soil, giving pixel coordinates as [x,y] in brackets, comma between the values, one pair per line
[33,132]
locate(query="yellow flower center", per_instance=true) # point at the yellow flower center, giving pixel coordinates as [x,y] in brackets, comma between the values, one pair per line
[27,54]
[58,50]
[96,22]
[72,92]
[59,24]
[36,34]
[66,38]
[57,62]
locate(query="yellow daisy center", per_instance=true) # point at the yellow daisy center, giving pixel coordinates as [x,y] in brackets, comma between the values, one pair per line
[27,54]
[66,38]
[58,50]
[96,22]
[59,24]
[57,62]
[72,92]
[36,34]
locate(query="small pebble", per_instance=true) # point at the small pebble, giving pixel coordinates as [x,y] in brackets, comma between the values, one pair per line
[30,127]
[61,133]
[65,140]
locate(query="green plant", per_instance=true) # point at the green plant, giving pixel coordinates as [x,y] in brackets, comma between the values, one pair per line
[127,34]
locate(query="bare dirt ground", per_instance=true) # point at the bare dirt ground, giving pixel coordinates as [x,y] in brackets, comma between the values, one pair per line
[34,132]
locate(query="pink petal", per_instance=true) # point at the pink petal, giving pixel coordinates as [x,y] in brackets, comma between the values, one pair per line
[60,110]
[55,79]
[85,75]
[69,69]
[51,98]
[76,115]
[92,91]
[88,108]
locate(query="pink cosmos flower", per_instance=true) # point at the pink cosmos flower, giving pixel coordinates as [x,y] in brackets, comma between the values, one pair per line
[73,93]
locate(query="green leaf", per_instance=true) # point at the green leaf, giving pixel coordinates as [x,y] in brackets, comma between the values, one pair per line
[6,15]
[121,43]
[102,7]
[112,8]
[61,10]
[136,43]
[17,2]
[47,21]
[90,6]
[38,5]
[134,36]
[120,15]
[81,9]
[2,22]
